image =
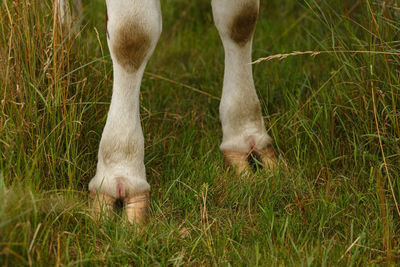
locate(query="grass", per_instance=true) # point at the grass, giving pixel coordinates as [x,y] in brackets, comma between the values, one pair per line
[334,118]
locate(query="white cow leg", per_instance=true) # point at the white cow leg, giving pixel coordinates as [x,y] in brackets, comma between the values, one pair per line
[65,11]
[65,15]
[133,30]
[240,111]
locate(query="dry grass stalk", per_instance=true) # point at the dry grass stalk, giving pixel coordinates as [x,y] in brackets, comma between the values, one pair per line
[316,53]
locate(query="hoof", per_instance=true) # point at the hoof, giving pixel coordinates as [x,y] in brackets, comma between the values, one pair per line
[137,208]
[101,203]
[267,156]
[238,161]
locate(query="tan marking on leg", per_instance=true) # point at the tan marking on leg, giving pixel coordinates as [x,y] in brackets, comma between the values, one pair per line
[113,150]
[244,23]
[245,111]
[131,46]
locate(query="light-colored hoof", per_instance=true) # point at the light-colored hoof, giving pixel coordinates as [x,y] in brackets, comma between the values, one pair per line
[101,203]
[137,208]
[238,161]
[268,157]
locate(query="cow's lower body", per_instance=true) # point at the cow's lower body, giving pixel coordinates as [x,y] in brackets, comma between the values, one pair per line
[133,29]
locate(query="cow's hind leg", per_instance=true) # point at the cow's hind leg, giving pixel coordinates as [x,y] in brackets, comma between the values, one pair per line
[133,30]
[240,111]
[68,15]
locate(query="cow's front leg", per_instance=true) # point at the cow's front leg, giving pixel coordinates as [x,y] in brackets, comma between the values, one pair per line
[133,30]
[240,111]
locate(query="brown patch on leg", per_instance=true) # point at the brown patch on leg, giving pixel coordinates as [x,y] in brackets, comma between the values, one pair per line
[244,23]
[108,36]
[131,45]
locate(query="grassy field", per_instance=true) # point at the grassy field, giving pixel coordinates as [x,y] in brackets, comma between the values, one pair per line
[334,117]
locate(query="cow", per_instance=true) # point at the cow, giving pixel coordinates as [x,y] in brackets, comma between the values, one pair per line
[133,29]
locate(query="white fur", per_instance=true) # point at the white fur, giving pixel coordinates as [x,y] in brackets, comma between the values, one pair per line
[65,12]
[238,89]
[123,120]
[240,133]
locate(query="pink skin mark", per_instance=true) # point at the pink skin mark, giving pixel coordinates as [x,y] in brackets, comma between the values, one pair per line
[252,143]
[120,190]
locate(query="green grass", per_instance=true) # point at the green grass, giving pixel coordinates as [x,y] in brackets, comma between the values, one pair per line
[334,118]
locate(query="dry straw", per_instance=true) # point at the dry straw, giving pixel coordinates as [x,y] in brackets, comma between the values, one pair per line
[315,53]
